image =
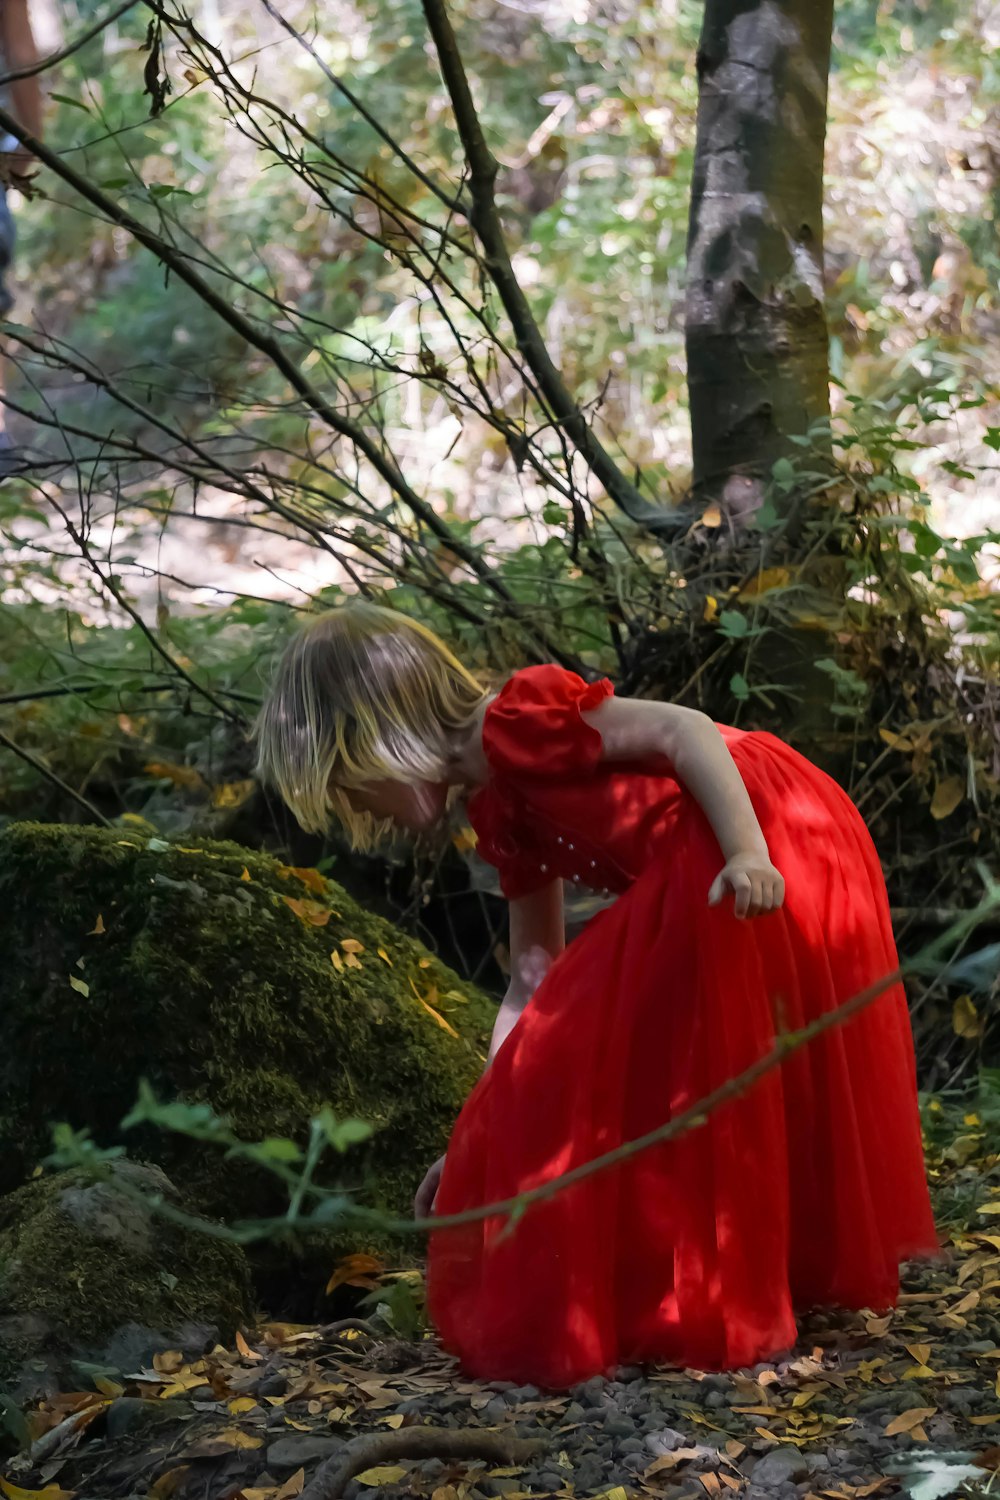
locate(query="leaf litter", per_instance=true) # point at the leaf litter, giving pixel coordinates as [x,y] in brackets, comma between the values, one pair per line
[873,1402]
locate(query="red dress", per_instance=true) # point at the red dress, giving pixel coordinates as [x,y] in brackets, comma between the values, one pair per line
[807,1189]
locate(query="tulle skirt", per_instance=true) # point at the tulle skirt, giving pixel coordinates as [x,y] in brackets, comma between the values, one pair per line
[808,1188]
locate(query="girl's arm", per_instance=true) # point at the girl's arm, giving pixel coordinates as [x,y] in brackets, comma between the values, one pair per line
[634,729]
[537,936]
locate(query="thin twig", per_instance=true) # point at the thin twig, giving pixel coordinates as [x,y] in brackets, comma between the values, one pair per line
[58,57]
[50,775]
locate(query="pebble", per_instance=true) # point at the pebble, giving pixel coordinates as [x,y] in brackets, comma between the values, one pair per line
[779,1465]
[301,1448]
[132,1416]
[495,1410]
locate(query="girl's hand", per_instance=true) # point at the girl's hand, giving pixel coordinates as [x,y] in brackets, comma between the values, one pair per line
[426,1195]
[756,884]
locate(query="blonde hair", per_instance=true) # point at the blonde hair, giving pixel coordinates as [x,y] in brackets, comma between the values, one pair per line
[360,693]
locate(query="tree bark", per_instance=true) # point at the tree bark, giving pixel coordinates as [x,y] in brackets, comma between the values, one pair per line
[755,322]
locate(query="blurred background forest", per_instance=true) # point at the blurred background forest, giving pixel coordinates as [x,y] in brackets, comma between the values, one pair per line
[190,483]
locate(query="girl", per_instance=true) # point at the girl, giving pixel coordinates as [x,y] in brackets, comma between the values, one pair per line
[749,901]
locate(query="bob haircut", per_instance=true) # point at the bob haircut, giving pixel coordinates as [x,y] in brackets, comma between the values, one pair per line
[359,694]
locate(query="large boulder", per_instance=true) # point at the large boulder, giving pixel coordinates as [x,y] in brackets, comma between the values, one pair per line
[219,976]
[89,1274]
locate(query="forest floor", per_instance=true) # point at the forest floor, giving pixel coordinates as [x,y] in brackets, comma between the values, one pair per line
[866,1405]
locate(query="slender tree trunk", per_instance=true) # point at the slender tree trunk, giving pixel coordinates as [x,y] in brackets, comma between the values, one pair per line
[756,328]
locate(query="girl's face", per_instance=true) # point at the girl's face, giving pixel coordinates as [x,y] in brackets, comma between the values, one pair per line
[417,806]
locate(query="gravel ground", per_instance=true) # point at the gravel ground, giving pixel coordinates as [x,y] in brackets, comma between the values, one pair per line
[858,1395]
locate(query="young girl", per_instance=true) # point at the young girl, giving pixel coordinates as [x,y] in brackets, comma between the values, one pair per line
[749,901]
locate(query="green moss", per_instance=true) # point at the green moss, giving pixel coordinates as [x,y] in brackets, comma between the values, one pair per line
[208,984]
[75,1282]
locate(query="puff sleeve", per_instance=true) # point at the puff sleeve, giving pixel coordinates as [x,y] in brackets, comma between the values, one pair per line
[534,726]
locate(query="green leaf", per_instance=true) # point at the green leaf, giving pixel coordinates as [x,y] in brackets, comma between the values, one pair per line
[733,624]
[76,103]
[992,438]
[278,1148]
[739,687]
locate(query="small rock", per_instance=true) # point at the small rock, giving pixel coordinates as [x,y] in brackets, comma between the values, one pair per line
[665,1440]
[619,1427]
[128,1414]
[273,1385]
[779,1466]
[495,1410]
[715,1399]
[294,1451]
[573,1412]
[632,1445]
[592,1391]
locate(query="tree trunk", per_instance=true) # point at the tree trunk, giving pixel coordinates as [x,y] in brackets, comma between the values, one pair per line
[756,327]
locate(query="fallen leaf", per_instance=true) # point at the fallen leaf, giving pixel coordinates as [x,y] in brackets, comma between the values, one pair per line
[169,1362]
[245,1349]
[311,878]
[908,1420]
[98,929]
[351,945]
[381,1474]
[878,1326]
[229,1440]
[711,517]
[244,873]
[240,1404]
[293,1486]
[80,985]
[766,580]
[185,776]
[337,961]
[384,956]
[994,1416]
[395,1420]
[355,1270]
[233,793]
[919,1353]
[313,913]
[989,1208]
[169,1483]
[50,1492]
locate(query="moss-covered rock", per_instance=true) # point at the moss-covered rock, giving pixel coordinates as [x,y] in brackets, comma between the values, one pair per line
[209,972]
[82,1260]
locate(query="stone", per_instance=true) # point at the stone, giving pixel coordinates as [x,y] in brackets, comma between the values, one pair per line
[301,1448]
[779,1466]
[129,1415]
[665,1440]
[97,1278]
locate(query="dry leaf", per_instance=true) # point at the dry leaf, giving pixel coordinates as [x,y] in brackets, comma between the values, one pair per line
[395,1420]
[229,1440]
[240,1404]
[993,1416]
[766,580]
[711,517]
[381,1474]
[384,956]
[233,793]
[965,1018]
[81,987]
[169,1483]
[355,1270]
[311,878]
[244,873]
[988,1208]
[351,945]
[947,795]
[337,961]
[185,776]
[50,1492]
[293,1486]
[311,912]
[908,1420]
[878,1326]
[919,1353]
[245,1349]
[98,929]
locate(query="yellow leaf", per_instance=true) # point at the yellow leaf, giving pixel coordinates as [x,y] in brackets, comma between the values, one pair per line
[918,1434]
[293,1486]
[81,987]
[353,961]
[919,1372]
[354,1270]
[233,793]
[311,878]
[438,1017]
[312,913]
[229,1440]
[766,580]
[50,1492]
[908,1420]
[965,1018]
[351,945]
[919,1353]
[169,1483]
[169,1362]
[423,963]
[947,795]
[384,956]
[711,517]
[245,1349]
[711,611]
[337,961]
[98,929]
[185,776]
[968,1302]
[465,840]
[989,1208]
[244,873]
[878,1326]
[108,1387]
[987,1421]
[381,1474]
[396,1420]
[240,1404]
